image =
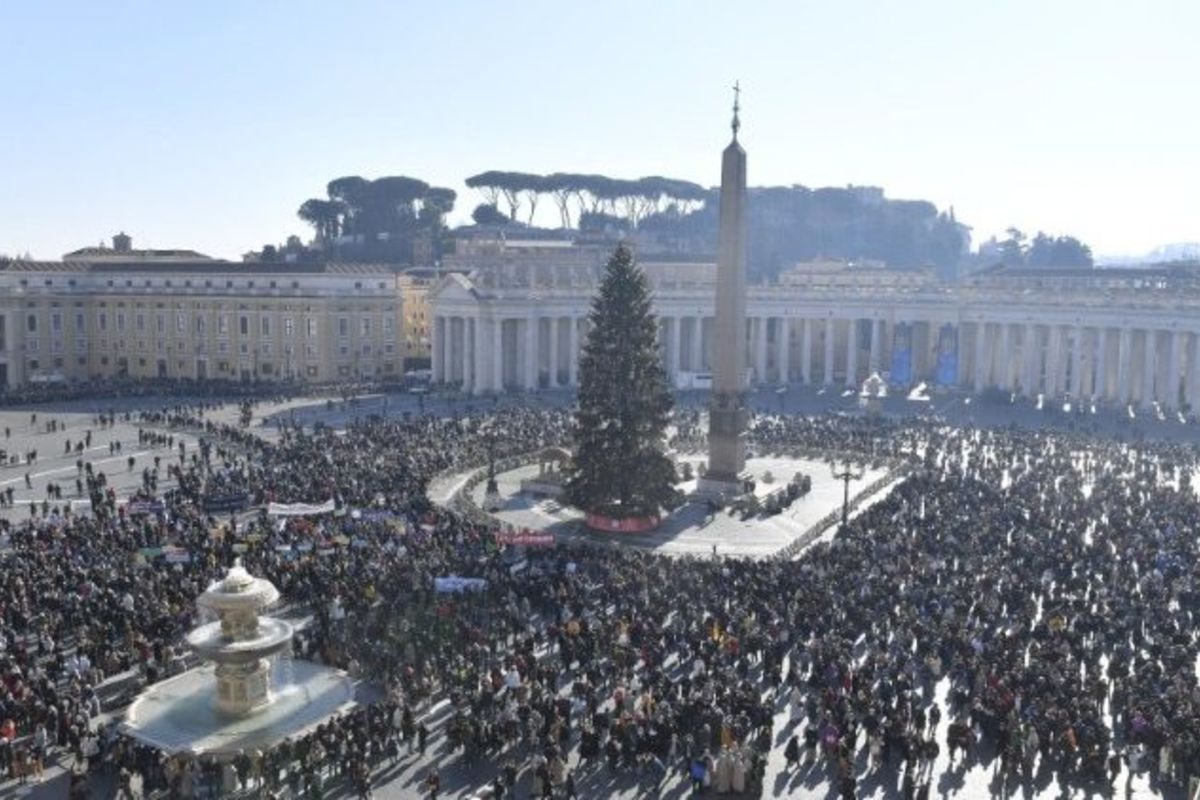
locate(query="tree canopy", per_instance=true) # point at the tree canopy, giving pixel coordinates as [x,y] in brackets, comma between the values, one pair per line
[379,219]
[1043,250]
[575,194]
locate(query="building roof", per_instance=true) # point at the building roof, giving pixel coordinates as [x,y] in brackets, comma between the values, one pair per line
[203,266]
[85,253]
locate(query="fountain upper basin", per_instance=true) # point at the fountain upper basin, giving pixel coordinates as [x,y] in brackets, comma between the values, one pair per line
[274,636]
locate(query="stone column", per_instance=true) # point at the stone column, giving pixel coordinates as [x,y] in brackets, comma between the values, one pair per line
[1171,393]
[876,344]
[552,380]
[1100,366]
[1033,359]
[573,352]
[980,356]
[696,360]
[829,351]
[806,352]
[448,350]
[783,360]
[1004,358]
[1150,364]
[852,353]
[439,338]
[673,345]
[498,355]
[1053,347]
[479,347]
[1077,366]
[760,350]
[531,352]
[468,354]
[1124,378]
[1194,374]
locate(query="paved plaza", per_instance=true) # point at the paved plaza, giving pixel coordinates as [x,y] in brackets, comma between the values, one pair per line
[689,532]
[693,529]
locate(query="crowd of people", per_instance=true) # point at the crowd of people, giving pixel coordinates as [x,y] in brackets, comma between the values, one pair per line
[1024,599]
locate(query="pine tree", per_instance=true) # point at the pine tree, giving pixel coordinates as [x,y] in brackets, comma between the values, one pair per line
[620,467]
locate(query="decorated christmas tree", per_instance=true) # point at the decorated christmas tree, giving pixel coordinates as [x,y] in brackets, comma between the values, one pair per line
[620,467]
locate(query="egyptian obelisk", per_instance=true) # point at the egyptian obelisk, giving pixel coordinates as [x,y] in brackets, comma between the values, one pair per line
[727,408]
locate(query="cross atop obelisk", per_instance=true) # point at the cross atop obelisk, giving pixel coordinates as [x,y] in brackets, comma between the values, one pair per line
[727,408]
[737,96]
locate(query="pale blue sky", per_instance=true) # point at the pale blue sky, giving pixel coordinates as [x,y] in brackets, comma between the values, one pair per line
[206,124]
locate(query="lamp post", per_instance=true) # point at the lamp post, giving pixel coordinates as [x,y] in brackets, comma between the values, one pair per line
[491,495]
[849,472]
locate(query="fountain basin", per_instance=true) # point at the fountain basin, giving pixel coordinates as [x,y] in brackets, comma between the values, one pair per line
[180,714]
[211,642]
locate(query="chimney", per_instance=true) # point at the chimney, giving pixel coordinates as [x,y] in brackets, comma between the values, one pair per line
[122,242]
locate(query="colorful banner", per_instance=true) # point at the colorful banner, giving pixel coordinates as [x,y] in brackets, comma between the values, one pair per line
[599,522]
[525,538]
[178,556]
[452,584]
[145,507]
[225,502]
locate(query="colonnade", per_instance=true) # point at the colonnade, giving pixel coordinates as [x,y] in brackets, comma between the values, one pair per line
[1121,363]
[494,354]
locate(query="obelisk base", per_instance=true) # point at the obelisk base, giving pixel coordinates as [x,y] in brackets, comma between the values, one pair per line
[721,488]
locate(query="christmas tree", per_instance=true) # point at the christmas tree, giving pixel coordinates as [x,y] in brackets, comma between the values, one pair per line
[620,467]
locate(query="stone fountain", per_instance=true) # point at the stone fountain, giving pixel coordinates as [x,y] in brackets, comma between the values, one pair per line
[241,641]
[241,698]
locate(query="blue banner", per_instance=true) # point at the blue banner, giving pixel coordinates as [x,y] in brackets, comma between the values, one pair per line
[947,360]
[901,373]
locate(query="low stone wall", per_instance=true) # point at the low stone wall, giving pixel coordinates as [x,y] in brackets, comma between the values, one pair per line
[462,501]
[834,517]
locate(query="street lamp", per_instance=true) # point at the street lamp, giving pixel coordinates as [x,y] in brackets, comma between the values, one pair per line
[849,472]
[491,496]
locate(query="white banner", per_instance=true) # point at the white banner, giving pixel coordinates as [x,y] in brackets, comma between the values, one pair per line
[300,509]
[454,584]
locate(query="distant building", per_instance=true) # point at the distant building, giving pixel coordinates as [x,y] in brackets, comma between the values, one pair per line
[122,251]
[412,288]
[160,313]
[514,315]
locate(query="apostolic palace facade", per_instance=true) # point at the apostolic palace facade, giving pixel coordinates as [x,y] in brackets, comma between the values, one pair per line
[511,315]
[105,312]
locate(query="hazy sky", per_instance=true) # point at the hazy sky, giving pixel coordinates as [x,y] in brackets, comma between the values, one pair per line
[206,124]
